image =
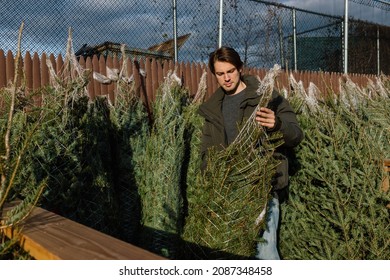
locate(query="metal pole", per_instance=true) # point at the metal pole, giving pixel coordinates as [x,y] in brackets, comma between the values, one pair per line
[174,29]
[378,53]
[282,62]
[294,39]
[345,36]
[220,23]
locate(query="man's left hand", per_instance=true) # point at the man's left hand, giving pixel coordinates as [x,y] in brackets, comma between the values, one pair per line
[266,117]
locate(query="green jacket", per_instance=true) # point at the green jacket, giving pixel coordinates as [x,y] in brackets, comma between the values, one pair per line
[286,122]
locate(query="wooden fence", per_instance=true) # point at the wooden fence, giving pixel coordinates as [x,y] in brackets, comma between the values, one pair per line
[37,74]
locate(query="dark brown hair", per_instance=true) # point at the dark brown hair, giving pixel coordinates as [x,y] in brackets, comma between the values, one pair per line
[225,54]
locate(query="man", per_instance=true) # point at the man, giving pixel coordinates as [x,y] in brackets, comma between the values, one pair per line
[231,104]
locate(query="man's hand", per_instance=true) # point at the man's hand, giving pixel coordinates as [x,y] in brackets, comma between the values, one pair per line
[266,117]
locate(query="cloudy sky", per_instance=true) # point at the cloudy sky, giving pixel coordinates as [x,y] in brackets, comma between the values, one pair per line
[139,23]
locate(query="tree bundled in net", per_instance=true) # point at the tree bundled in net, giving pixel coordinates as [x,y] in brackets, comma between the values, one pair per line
[224,206]
[337,209]
[20,121]
[159,172]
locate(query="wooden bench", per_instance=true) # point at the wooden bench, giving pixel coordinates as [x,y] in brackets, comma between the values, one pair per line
[47,236]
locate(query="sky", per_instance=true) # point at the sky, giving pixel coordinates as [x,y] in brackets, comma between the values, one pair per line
[140,23]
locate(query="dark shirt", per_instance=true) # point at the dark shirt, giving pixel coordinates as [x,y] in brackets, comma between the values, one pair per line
[231,114]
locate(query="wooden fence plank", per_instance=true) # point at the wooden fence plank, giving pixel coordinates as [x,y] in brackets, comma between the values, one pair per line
[166,67]
[198,76]
[140,86]
[28,71]
[48,236]
[60,66]
[152,82]
[91,84]
[3,69]
[129,64]
[36,72]
[179,71]
[188,77]
[143,80]
[95,68]
[44,71]
[117,65]
[102,70]
[36,78]
[210,83]
[194,79]
[110,87]
[10,67]
[160,77]
[53,64]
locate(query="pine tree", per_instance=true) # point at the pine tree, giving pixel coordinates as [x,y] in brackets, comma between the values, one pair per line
[19,122]
[129,116]
[336,209]
[159,171]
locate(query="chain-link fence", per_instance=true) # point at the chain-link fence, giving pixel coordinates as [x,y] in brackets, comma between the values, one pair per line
[264,32]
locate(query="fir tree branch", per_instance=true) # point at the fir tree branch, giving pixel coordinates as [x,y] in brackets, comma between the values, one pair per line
[10,117]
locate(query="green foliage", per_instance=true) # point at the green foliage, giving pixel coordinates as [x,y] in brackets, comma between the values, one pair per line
[130,119]
[159,171]
[113,168]
[19,122]
[86,153]
[19,125]
[227,202]
[336,209]
[10,250]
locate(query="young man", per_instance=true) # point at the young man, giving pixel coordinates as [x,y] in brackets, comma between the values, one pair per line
[232,103]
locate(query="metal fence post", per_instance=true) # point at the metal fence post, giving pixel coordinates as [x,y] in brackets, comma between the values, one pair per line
[345,56]
[280,31]
[378,53]
[220,23]
[175,29]
[294,38]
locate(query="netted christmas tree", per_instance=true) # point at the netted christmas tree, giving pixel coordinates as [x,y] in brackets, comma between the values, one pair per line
[20,120]
[78,147]
[66,148]
[130,117]
[226,200]
[337,209]
[159,171]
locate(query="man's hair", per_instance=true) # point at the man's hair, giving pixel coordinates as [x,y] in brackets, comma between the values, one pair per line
[225,54]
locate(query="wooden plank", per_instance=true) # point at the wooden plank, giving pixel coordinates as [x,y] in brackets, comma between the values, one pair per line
[10,67]
[3,69]
[47,236]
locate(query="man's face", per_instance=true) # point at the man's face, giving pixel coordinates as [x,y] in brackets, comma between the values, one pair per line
[228,77]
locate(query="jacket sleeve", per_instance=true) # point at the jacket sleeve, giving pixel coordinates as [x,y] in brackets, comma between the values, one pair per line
[287,124]
[286,121]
